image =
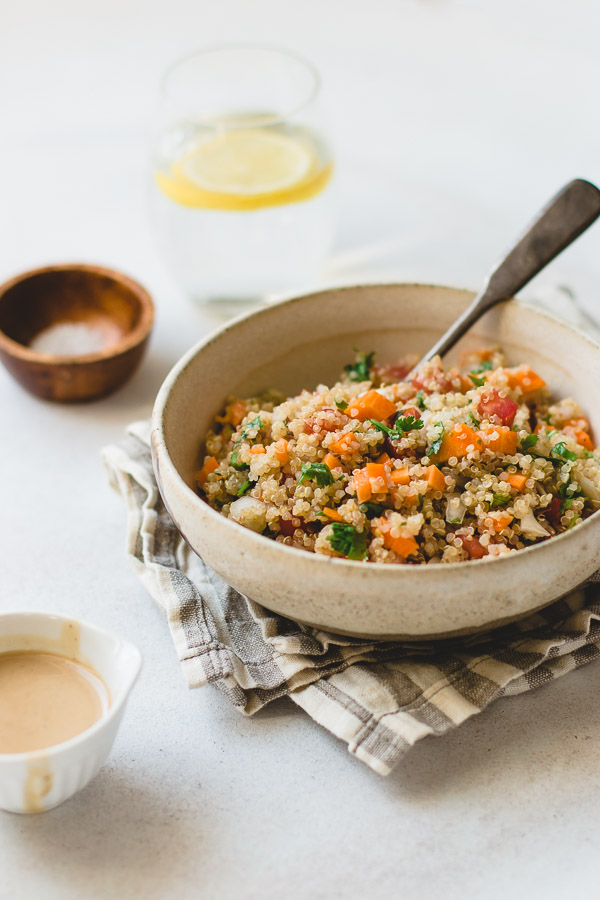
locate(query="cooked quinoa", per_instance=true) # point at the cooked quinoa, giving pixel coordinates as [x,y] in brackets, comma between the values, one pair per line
[394,466]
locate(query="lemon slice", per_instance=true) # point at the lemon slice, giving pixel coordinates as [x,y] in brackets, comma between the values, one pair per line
[244,170]
[248,162]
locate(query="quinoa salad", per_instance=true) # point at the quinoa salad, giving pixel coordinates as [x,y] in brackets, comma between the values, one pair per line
[405,467]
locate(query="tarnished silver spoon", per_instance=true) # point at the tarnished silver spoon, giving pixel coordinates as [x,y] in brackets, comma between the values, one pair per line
[563,219]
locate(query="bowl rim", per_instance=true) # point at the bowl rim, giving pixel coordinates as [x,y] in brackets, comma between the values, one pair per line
[116,704]
[132,339]
[351,566]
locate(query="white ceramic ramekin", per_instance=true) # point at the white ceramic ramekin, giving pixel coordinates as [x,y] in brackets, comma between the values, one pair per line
[42,779]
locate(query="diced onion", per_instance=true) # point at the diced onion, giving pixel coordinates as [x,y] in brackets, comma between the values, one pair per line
[250,513]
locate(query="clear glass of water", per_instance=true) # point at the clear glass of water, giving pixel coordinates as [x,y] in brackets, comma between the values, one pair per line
[242,174]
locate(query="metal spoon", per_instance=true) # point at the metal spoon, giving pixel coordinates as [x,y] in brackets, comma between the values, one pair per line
[563,219]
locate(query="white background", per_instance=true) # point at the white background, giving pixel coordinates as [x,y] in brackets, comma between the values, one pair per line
[453,121]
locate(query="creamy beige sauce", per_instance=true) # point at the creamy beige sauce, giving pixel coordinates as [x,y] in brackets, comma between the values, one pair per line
[46,699]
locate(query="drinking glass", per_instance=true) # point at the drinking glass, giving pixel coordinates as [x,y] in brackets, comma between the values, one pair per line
[242,192]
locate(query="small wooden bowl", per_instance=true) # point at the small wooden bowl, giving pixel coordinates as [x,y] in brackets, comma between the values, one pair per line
[102,302]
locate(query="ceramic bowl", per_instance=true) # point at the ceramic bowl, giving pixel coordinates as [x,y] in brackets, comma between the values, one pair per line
[40,780]
[113,311]
[302,342]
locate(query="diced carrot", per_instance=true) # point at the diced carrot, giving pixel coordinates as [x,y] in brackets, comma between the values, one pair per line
[345,444]
[541,428]
[256,449]
[435,479]
[331,461]
[517,481]
[583,438]
[281,451]
[371,405]
[375,470]
[362,485]
[210,464]
[580,423]
[237,411]
[500,520]
[578,428]
[383,458]
[524,378]
[500,439]
[403,546]
[400,476]
[332,514]
[455,443]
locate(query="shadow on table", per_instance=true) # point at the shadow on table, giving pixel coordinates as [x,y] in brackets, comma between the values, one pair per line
[114,838]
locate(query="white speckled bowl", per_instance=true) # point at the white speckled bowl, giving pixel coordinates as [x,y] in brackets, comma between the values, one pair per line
[307,340]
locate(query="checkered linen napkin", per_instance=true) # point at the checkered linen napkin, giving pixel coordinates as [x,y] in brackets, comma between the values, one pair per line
[379,697]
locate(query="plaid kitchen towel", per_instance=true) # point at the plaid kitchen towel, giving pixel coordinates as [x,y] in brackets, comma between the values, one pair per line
[378,697]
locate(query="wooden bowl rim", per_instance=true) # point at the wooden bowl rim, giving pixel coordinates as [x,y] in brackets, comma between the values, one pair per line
[132,339]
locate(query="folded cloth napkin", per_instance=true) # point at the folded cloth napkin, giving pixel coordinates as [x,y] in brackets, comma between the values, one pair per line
[378,697]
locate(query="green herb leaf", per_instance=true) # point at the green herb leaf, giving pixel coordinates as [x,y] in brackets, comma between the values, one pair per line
[341,404]
[573,522]
[588,454]
[438,442]
[345,539]
[383,428]
[478,382]
[255,423]
[560,450]
[474,421]
[484,367]
[403,424]
[499,500]
[241,467]
[529,442]
[360,370]
[319,472]
[246,486]
[372,510]
[571,489]
[547,418]
[420,399]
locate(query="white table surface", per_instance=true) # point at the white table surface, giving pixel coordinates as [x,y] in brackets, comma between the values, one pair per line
[453,122]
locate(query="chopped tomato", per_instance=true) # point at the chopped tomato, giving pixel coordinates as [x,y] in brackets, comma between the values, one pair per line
[553,511]
[286,526]
[494,404]
[474,547]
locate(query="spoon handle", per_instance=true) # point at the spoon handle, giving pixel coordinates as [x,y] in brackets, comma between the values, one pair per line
[562,220]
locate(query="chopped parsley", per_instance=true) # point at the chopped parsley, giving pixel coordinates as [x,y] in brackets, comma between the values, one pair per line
[341,404]
[478,382]
[484,367]
[499,500]
[383,428]
[435,447]
[360,370]
[571,489]
[255,423]
[403,424]
[560,450]
[474,421]
[529,442]
[588,454]
[245,487]
[573,522]
[372,510]
[241,467]
[547,418]
[420,399]
[347,541]
[319,472]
